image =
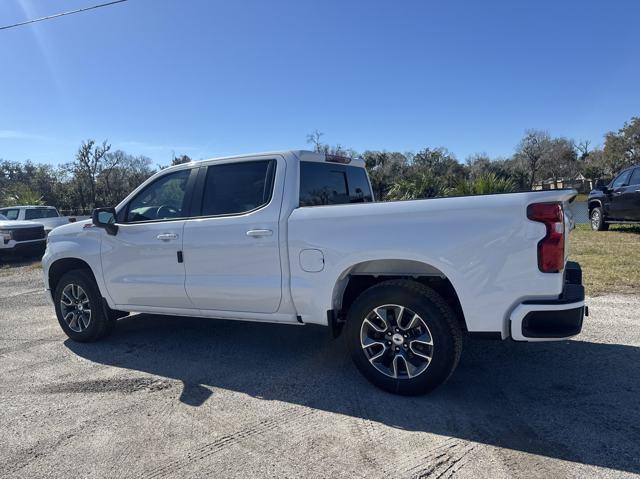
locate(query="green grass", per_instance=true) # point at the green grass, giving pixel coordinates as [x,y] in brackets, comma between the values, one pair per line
[610,260]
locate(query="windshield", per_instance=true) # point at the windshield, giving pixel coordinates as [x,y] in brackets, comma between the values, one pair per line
[3,218]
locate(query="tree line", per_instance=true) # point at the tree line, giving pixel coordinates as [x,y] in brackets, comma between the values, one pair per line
[96,177]
[99,176]
[538,157]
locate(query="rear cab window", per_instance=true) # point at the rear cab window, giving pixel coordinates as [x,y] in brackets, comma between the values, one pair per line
[37,213]
[333,184]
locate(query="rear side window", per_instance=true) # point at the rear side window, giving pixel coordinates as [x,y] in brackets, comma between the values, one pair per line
[236,188]
[332,184]
[36,213]
[635,177]
[11,214]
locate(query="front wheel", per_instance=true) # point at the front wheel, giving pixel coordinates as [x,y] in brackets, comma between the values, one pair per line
[403,337]
[79,307]
[597,220]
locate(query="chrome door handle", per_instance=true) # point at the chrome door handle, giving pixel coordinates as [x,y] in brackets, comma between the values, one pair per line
[256,233]
[167,236]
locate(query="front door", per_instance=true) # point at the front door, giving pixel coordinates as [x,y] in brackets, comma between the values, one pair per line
[616,196]
[141,264]
[231,250]
[632,197]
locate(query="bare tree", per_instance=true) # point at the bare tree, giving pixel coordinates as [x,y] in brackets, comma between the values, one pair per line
[583,149]
[315,139]
[531,151]
[91,160]
[560,159]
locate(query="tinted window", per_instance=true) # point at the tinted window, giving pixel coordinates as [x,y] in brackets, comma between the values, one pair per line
[359,188]
[235,188]
[621,180]
[34,214]
[163,199]
[11,214]
[332,184]
[635,177]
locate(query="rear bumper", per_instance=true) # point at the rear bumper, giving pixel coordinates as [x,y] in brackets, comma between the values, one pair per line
[552,319]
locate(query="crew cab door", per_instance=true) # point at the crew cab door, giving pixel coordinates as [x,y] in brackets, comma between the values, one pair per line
[617,197]
[632,196]
[141,264]
[231,249]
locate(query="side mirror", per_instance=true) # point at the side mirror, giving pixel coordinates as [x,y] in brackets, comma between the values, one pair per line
[105,218]
[604,188]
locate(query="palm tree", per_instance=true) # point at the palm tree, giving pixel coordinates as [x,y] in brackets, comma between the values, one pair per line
[418,186]
[485,184]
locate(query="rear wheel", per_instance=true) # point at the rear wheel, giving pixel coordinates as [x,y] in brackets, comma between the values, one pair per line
[79,307]
[403,337]
[597,220]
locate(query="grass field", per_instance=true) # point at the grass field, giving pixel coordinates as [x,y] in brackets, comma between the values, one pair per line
[610,260]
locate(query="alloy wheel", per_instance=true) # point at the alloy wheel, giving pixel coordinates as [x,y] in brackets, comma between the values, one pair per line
[396,341]
[595,219]
[75,307]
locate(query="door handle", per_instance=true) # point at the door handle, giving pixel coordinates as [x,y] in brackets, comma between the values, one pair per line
[256,233]
[167,236]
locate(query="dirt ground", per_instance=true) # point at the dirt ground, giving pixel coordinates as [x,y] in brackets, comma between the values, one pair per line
[186,397]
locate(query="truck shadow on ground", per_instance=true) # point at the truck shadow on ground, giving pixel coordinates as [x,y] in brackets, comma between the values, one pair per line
[574,400]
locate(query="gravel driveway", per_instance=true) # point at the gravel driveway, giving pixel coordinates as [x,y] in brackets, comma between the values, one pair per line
[185,397]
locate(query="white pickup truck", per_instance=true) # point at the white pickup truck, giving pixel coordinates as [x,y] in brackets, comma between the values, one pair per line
[21,238]
[47,216]
[295,237]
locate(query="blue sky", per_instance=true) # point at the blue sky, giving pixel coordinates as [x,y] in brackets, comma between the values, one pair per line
[210,78]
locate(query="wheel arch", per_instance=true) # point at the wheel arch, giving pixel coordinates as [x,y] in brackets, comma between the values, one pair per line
[361,276]
[61,266]
[594,204]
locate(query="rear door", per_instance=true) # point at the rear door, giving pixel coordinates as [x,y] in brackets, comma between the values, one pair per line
[231,250]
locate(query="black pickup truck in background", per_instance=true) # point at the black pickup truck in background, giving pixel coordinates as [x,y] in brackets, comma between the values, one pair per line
[617,202]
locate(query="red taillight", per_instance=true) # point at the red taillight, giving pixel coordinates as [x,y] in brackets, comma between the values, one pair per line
[551,247]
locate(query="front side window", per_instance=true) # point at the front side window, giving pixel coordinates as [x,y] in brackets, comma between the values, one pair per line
[11,214]
[332,184]
[161,200]
[37,213]
[635,177]
[236,188]
[621,180]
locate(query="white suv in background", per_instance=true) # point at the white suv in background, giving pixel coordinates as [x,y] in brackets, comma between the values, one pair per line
[47,216]
[21,237]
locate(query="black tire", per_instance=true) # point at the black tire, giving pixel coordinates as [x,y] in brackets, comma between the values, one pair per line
[597,221]
[99,323]
[441,323]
